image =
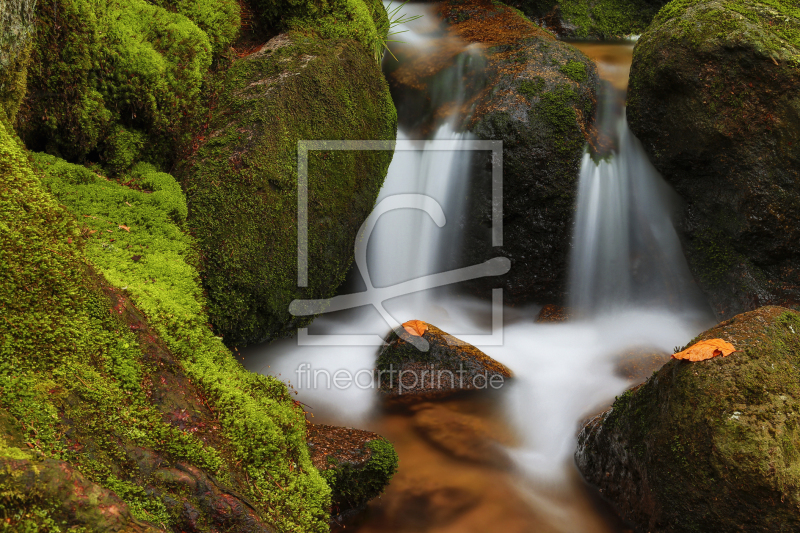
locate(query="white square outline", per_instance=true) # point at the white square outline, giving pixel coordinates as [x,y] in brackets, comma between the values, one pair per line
[305,146]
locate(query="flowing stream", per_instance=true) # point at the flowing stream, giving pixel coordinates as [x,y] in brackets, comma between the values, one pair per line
[629,282]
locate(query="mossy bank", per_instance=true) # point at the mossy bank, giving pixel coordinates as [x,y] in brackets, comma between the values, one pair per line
[715,99]
[242,182]
[710,445]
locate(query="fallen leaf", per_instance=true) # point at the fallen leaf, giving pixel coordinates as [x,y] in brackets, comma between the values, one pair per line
[415,327]
[69,240]
[129,205]
[123,226]
[92,231]
[136,258]
[706,350]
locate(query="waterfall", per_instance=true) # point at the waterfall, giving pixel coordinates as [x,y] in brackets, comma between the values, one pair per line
[626,252]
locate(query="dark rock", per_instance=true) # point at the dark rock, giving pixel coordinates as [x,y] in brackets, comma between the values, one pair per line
[449,365]
[715,99]
[711,445]
[554,313]
[539,100]
[241,183]
[357,465]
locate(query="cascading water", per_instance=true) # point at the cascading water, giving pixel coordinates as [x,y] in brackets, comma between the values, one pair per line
[626,268]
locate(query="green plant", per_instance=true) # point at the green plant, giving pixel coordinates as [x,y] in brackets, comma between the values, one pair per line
[395,19]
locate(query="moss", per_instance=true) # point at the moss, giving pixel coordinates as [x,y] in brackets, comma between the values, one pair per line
[101,66]
[353,487]
[242,182]
[603,19]
[219,19]
[575,70]
[531,89]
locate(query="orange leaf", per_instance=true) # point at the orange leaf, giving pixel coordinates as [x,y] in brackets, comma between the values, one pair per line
[126,228]
[415,327]
[706,350]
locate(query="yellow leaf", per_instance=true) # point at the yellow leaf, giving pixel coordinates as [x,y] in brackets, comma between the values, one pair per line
[126,228]
[706,350]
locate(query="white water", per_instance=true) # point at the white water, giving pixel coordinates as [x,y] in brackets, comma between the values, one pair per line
[564,372]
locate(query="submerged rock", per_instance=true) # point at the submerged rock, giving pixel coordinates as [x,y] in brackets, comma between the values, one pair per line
[711,445]
[539,99]
[242,182]
[460,435]
[357,465]
[449,365]
[715,99]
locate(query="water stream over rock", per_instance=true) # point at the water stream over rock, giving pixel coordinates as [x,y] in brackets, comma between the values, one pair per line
[628,272]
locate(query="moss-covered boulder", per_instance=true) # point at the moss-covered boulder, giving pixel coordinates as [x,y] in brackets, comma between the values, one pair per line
[118,81]
[592,19]
[540,101]
[242,181]
[711,445]
[715,99]
[129,387]
[357,465]
[442,366]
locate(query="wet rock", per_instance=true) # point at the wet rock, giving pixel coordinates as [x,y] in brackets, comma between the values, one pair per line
[241,184]
[357,465]
[460,435]
[718,112]
[449,365]
[539,99]
[638,364]
[711,445]
[554,313]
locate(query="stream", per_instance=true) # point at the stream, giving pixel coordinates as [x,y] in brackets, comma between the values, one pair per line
[629,285]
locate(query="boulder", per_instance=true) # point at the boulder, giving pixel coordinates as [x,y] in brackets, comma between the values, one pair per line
[16,29]
[357,465]
[714,99]
[709,445]
[539,99]
[449,365]
[592,19]
[241,183]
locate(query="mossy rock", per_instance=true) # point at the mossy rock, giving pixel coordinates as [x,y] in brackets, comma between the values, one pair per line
[540,99]
[116,81]
[242,182]
[710,445]
[129,387]
[592,19]
[714,99]
[357,465]
[16,29]
[440,366]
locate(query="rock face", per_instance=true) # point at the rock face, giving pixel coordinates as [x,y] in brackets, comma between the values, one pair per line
[592,19]
[16,27]
[715,99]
[242,182]
[712,445]
[357,465]
[539,100]
[449,365]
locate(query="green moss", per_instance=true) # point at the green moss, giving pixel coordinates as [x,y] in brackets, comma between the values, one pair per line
[575,70]
[242,183]
[531,88]
[556,108]
[353,487]
[143,506]
[135,240]
[219,19]
[101,71]
[604,19]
